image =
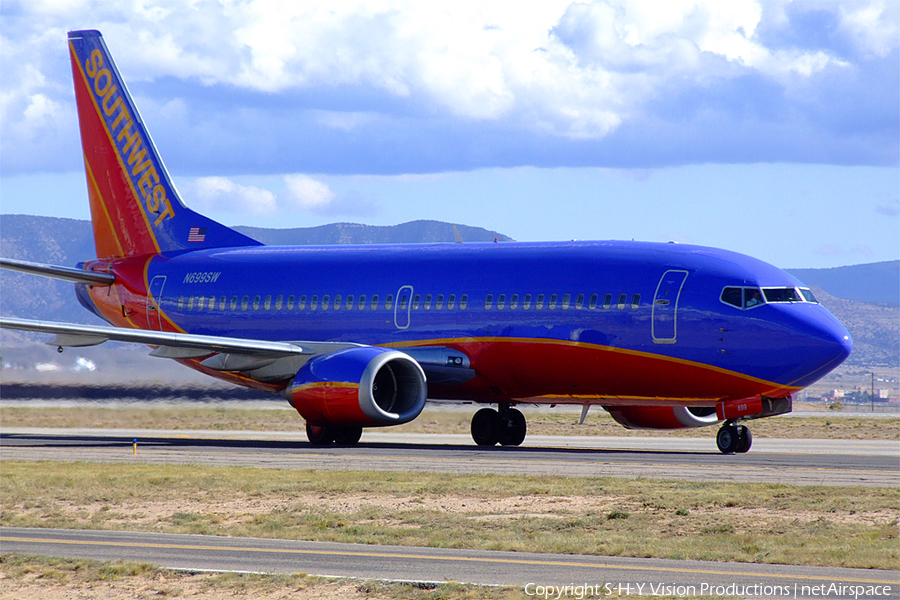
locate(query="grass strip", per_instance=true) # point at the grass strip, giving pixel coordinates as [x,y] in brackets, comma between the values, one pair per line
[766,523]
[432,420]
[46,577]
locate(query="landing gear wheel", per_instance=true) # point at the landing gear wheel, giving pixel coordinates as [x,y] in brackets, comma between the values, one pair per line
[486,427]
[746,439]
[514,433]
[728,439]
[319,435]
[347,436]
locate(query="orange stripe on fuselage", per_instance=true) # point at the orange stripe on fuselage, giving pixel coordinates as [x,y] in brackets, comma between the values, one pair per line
[534,367]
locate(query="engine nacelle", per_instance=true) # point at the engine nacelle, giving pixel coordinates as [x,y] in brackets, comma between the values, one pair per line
[361,387]
[663,417]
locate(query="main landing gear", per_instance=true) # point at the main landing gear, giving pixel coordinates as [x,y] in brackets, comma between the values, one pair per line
[333,434]
[733,439]
[505,426]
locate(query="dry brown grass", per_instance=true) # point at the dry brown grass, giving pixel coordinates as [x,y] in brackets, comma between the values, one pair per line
[432,420]
[605,516]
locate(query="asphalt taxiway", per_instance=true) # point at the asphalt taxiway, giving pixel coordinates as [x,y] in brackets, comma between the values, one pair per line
[401,563]
[795,462]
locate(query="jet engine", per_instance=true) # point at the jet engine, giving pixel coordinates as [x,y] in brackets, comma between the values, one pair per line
[663,417]
[359,387]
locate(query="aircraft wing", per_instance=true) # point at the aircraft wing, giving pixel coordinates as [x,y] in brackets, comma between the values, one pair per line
[56,272]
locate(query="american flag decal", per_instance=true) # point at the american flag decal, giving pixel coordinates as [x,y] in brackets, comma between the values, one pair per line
[197,234]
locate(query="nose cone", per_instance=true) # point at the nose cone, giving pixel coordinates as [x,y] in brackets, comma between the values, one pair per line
[823,341]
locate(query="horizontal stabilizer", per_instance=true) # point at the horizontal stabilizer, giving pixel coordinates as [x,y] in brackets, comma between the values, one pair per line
[56,272]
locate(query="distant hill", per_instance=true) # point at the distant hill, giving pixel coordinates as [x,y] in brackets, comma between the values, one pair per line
[414,232]
[878,283]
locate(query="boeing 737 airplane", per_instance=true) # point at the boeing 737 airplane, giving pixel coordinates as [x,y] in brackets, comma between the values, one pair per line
[663,336]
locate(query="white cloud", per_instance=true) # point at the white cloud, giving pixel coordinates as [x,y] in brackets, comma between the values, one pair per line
[307,193]
[566,69]
[873,26]
[221,194]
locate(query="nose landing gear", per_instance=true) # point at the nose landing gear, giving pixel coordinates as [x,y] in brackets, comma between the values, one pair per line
[733,439]
[505,426]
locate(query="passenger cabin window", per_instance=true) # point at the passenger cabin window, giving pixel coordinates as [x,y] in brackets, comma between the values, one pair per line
[245,302]
[326,301]
[279,302]
[222,301]
[552,304]
[635,301]
[439,302]
[463,301]
[374,303]
[427,305]
[621,303]
[389,301]
[337,302]
[526,302]
[579,301]
[488,301]
[349,304]
[514,301]
[782,295]
[403,301]
[593,303]
[501,301]
[181,303]
[416,300]
[539,303]
[313,303]
[190,305]
[607,301]
[267,304]
[256,302]
[233,304]
[362,302]
[290,302]
[451,302]
[201,303]
[567,298]
[301,303]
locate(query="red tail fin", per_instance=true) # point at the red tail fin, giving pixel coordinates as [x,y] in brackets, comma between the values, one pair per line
[135,209]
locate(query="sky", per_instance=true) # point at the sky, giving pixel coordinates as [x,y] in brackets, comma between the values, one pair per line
[769,128]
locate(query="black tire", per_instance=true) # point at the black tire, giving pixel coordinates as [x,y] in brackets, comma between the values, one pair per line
[486,427]
[728,439]
[746,439]
[347,436]
[514,432]
[319,435]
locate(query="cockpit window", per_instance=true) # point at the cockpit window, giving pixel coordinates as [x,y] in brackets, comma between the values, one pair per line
[782,295]
[742,297]
[733,296]
[808,295]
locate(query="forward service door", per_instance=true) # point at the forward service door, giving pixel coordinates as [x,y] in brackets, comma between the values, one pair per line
[664,326]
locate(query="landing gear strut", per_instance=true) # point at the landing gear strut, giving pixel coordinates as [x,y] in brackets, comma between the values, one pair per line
[325,435]
[734,439]
[505,426]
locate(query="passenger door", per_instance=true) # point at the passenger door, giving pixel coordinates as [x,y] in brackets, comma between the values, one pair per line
[154,297]
[664,328]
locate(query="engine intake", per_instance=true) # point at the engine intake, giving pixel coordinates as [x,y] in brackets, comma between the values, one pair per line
[363,387]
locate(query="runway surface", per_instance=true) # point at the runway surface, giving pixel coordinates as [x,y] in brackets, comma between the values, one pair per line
[800,462]
[400,563]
